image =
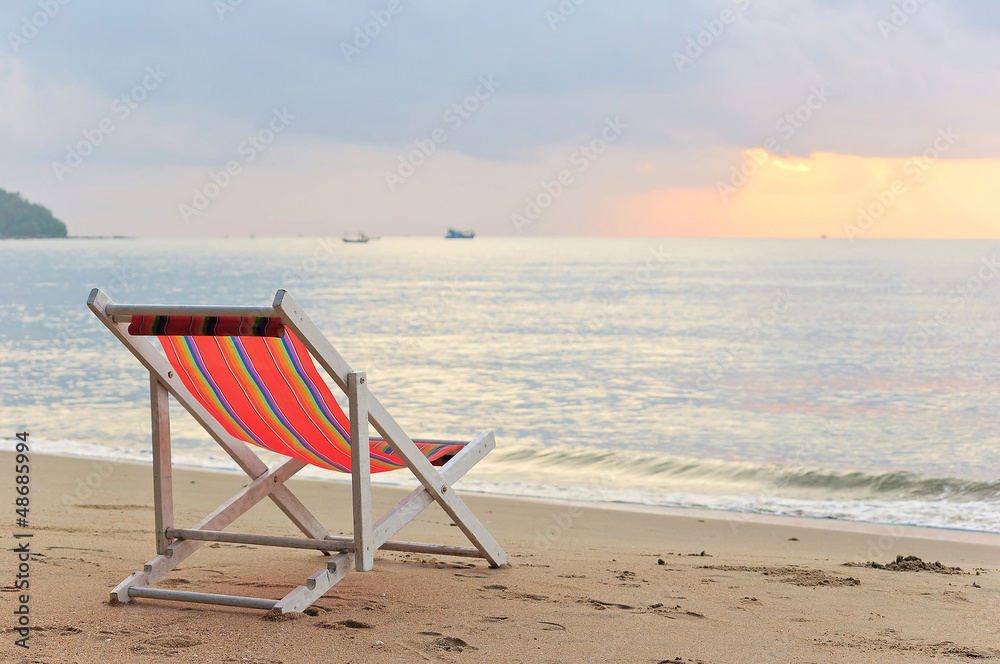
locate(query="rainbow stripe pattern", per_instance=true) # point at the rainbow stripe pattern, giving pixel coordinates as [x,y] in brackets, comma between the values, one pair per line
[207,326]
[266,391]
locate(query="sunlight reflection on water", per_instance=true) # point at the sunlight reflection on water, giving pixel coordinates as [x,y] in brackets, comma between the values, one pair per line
[649,348]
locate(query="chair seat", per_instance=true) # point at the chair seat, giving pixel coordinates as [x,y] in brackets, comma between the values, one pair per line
[266,391]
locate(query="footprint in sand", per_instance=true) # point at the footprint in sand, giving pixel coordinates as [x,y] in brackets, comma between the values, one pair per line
[254,584]
[551,626]
[450,644]
[601,606]
[167,645]
[66,630]
[674,613]
[513,594]
[348,624]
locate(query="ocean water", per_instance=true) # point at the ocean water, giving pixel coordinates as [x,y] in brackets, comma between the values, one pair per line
[819,378]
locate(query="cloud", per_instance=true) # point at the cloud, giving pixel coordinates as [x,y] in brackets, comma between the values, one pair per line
[839,196]
[34,106]
[558,82]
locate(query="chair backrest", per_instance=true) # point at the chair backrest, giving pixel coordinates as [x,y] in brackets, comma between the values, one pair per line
[259,381]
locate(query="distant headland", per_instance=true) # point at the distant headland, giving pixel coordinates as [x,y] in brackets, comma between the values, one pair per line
[21,219]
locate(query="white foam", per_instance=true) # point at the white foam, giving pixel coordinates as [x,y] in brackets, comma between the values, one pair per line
[979,516]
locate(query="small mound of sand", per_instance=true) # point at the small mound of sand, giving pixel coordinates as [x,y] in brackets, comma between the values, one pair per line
[277,616]
[909,564]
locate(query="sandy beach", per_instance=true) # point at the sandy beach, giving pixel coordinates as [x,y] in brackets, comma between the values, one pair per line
[585,584]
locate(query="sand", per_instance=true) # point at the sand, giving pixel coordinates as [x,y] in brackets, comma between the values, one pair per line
[585,584]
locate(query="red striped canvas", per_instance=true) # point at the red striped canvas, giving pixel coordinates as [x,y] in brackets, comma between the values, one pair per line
[266,391]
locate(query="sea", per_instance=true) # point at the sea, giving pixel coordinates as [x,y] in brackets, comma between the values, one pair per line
[855,381]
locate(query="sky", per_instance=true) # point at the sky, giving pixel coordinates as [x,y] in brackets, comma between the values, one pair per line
[726,118]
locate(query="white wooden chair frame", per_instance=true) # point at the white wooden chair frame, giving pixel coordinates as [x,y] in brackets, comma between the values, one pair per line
[173,544]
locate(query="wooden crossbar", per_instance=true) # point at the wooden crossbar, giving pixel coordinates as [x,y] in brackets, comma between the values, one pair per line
[261,540]
[122,313]
[204,598]
[330,543]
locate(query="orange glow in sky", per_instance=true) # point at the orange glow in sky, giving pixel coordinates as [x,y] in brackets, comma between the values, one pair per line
[837,195]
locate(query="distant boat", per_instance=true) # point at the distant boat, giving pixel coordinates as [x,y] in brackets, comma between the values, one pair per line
[360,237]
[453,234]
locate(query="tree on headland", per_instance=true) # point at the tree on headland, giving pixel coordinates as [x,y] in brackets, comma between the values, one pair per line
[19,218]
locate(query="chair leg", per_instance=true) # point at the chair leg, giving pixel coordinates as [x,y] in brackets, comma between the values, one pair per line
[296,601]
[260,488]
[316,586]
[361,482]
[163,493]
[420,498]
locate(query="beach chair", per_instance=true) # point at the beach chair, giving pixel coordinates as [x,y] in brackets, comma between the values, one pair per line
[246,374]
